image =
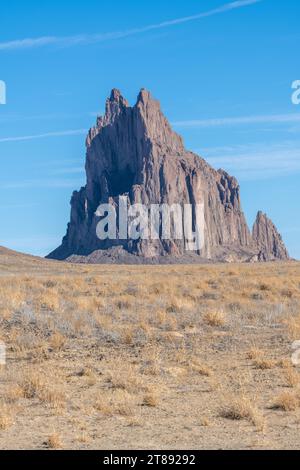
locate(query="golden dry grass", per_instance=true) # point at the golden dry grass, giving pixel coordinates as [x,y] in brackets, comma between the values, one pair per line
[148,356]
[215,318]
[286,401]
[238,408]
[6,417]
[54,441]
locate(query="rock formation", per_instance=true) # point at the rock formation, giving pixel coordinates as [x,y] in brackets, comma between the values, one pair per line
[132,151]
[268,240]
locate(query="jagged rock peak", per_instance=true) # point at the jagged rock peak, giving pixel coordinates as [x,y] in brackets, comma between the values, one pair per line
[145,96]
[133,151]
[147,115]
[117,98]
[268,239]
[115,95]
[114,105]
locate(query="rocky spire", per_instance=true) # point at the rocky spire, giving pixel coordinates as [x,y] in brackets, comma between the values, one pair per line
[114,105]
[156,127]
[268,240]
[133,151]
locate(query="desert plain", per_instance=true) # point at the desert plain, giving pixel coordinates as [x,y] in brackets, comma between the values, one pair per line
[148,357]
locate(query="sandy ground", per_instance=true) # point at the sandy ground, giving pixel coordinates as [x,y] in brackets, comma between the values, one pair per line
[148,357]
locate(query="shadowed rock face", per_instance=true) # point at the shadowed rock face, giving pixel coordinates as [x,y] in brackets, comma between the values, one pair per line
[133,151]
[268,240]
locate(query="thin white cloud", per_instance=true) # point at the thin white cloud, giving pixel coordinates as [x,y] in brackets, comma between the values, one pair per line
[86,39]
[222,122]
[15,117]
[42,184]
[28,43]
[68,171]
[205,123]
[256,161]
[18,206]
[43,136]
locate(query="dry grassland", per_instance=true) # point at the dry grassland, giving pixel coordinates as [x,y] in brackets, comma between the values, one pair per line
[164,357]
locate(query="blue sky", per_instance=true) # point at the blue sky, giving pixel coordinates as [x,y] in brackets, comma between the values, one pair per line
[222,71]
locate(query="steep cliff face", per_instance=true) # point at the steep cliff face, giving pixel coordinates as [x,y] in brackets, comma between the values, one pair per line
[268,240]
[133,151]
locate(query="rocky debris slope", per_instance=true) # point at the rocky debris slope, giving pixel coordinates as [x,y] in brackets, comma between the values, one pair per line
[133,151]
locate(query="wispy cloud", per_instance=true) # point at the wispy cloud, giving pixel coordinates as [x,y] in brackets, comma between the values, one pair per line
[18,206]
[256,161]
[85,39]
[42,184]
[15,117]
[234,121]
[292,118]
[43,136]
[69,171]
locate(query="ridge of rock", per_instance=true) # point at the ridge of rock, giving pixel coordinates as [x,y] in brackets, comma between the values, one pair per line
[133,151]
[267,238]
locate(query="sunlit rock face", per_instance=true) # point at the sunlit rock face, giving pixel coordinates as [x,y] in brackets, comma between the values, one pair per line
[133,152]
[268,240]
